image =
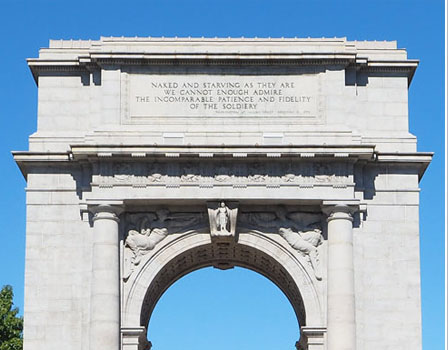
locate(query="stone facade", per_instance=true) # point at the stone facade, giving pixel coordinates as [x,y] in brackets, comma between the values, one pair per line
[155,157]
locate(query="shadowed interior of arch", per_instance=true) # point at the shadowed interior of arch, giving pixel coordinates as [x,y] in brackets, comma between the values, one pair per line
[231,309]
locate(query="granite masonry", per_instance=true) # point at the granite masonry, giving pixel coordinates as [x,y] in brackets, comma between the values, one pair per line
[154,157]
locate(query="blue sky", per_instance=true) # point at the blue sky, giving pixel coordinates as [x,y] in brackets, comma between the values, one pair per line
[418,26]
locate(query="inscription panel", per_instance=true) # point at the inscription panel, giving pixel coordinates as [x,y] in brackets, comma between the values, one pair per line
[172,96]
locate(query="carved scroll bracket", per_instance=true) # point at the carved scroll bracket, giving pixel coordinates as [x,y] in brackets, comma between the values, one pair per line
[222,217]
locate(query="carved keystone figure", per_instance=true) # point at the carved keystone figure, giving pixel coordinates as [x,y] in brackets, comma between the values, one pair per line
[222,218]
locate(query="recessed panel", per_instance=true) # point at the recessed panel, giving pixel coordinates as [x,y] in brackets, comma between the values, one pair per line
[195,96]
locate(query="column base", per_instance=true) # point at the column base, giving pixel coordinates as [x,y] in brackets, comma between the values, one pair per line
[311,338]
[134,338]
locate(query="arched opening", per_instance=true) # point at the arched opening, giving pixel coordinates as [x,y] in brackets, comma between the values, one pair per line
[268,256]
[230,309]
[223,256]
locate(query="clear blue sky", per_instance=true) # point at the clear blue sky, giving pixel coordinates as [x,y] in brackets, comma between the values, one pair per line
[236,299]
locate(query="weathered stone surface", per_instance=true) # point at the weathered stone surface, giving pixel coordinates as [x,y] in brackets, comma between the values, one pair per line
[155,157]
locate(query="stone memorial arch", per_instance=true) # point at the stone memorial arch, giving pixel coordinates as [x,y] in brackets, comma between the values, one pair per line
[154,157]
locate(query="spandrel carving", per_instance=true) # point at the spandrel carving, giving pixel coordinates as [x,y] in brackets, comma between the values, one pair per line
[145,231]
[299,229]
[270,221]
[306,243]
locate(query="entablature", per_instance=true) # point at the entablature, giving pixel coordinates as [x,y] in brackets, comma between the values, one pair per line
[94,153]
[265,174]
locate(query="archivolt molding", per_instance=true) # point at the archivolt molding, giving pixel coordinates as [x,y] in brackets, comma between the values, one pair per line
[180,254]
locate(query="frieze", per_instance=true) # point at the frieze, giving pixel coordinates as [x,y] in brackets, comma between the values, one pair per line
[205,174]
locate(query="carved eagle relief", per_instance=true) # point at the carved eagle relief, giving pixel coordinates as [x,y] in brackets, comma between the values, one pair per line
[306,243]
[147,230]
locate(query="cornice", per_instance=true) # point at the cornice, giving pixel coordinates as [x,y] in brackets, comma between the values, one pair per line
[421,158]
[92,153]
[98,61]
[231,151]
[25,158]
[86,56]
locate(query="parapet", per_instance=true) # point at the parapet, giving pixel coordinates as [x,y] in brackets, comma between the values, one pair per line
[223,91]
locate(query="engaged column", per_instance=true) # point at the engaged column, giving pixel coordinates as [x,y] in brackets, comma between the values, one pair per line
[105,288]
[341,325]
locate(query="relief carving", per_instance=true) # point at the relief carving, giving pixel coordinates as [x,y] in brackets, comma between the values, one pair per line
[189,173]
[278,173]
[222,174]
[256,171]
[155,173]
[324,173]
[122,171]
[306,243]
[289,178]
[147,230]
[299,229]
[222,219]
[144,240]
[289,174]
[272,220]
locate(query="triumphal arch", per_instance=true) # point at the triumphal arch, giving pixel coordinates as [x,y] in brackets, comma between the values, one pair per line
[154,157]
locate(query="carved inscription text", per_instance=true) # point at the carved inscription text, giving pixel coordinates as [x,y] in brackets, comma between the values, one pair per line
[226,95]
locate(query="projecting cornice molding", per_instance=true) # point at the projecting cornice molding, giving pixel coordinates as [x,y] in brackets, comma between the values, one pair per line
[235,151]
[87,56]
[350,153]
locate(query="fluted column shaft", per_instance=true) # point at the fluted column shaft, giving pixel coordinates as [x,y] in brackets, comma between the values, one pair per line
[105,286]
[341,323]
